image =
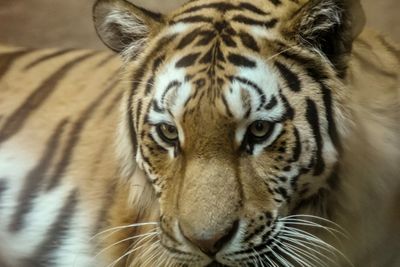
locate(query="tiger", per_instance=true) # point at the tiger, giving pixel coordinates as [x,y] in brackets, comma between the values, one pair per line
[225,133]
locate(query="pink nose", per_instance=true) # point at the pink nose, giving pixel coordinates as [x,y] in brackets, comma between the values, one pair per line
[209,243]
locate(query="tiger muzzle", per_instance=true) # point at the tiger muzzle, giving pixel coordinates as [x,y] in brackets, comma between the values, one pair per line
[209,204]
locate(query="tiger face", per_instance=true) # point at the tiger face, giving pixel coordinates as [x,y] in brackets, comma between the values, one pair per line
[234,109]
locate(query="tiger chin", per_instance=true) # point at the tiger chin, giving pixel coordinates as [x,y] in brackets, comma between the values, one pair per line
[251,133]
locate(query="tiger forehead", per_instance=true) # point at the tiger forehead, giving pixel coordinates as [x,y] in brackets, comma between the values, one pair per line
[208,10]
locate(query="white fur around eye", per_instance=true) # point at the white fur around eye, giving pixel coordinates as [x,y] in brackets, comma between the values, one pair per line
[258,148]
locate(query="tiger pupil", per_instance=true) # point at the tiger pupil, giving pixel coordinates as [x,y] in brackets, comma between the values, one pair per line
[169,131]
[260,126]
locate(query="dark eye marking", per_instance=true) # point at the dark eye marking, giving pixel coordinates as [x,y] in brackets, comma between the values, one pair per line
[249,42]
[252,85]
[187,61]
[290,77]
[246,20]
[313,119]
[173,84]
[241,61]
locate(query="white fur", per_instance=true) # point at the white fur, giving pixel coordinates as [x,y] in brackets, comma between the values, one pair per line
[266,80]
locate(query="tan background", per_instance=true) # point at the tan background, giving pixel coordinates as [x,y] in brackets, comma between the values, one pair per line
[67,23]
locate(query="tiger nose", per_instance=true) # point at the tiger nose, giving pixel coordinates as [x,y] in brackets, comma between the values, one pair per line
[210,243]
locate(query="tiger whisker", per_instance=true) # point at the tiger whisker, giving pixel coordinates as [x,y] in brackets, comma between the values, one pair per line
[149,250]
[303,244]
[310,241]
[288,245]
[135,248]
[333,231]
[310,237]
[117,228]
[124,240]
[257,256]
[281,52]
[270,262]
[293,255]
[305,254]
[317,218]
[284,261]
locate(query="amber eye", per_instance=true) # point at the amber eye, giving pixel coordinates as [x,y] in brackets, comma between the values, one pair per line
[259,130]
[168,133]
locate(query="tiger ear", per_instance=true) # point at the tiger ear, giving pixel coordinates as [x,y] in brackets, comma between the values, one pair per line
[329,26]
[124,27]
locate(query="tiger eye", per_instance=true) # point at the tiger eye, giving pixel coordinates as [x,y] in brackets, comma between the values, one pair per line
[259,129]
[168,132]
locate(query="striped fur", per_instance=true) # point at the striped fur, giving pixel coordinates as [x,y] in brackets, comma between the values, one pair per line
[87,177]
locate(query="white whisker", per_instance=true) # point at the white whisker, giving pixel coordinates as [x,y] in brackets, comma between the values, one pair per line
[124,240]
[117,228]
[135,248]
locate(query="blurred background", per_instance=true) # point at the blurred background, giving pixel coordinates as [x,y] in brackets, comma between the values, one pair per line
[68,23]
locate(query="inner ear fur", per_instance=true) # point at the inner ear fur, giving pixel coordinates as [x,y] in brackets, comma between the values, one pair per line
[329,26]
[124,27]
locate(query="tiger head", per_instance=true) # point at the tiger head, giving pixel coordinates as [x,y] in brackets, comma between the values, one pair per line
[235,111]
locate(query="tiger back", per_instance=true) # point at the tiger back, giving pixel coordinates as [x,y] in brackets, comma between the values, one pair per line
[58,119]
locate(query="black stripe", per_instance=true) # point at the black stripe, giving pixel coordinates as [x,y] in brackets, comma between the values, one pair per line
[154,143]
[172,84]
[292,80]
[253,9]
[312,68]
[289,110]
[105,60]
[15,121]
[3,188]
[249,42]
[108,201]
[136,78]
[46,57]
[33,181]
[75,135]
[249,21]
[271,104]
[225,7]
[228,110]
[150,82]
[313,120]
[188,60]
[157,62]
[276,2]
[157,108]
[220,6]
[138,113]
[188,39]
[149,85]
[296,146]
[194,19]
[228,40]
[57,232]
[392,49]
[207,37]
[258,90]
[332,130]
[207,58]
[6,60]
[241,61]
[113,104]
[218,52]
